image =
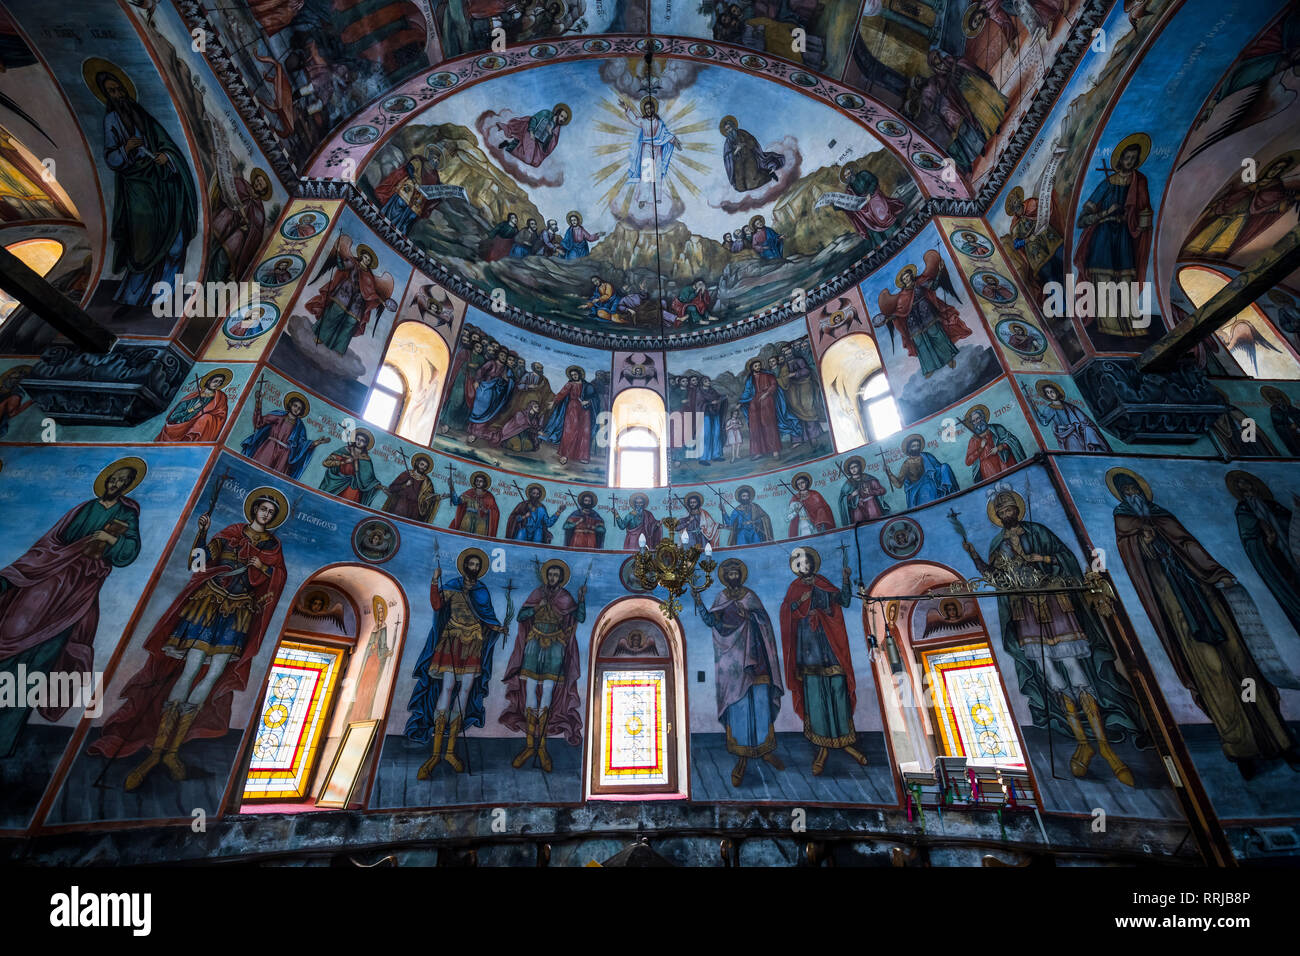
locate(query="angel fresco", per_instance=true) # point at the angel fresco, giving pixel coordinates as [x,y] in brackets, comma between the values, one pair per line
[353,295]
[928,327]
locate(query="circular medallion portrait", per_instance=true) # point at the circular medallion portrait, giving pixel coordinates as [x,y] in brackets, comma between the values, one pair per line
[924,159]
[543,51]
[360,135]
[280,270]
[891,128]
[800,78]
[970,243]
[443,80]
[752,62]
[1021,336]
[994,288]
[700,49]
[597,46]
[901,538]
[850,101]
[398,104]
[627,574]
[490,62]
[304,225]
[658,45]
[250,321]
[375,540]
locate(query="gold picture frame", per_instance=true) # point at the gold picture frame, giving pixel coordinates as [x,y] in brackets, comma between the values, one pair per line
[346,766]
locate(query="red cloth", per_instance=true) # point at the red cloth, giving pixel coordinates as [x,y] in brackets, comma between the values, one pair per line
[764,431]
[388,185]
[487,505]
[575,440]
[205,426]
[55,587]
[134,724]
[984,449]
[529,151]
[830,622]
[566,708]
[819,512]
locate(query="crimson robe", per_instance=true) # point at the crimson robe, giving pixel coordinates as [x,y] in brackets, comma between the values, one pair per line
[366,285]
[203,427]
[832,625]
[135,724]
[818,511]
[487,507]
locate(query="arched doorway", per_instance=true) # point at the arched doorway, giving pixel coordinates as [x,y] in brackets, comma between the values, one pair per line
[636,705]
[325,698]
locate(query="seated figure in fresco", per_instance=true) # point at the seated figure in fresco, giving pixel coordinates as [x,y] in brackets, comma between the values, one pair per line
[748,166]
[880,212]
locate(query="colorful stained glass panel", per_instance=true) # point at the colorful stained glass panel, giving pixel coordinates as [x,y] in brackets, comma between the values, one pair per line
[634,742]
[974,719]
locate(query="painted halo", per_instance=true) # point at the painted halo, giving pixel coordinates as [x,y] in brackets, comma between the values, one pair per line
[1114,473]
[956,237]
[1261,490]
[225,373]
[479,553]
[565,573]
[991,507]
[290,396]
[487,479]
[734,563]
[379,607]
[138,465]
[275,495]
[318,217]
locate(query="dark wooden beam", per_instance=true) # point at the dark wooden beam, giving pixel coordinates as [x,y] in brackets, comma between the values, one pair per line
[1272,267]
[45,301]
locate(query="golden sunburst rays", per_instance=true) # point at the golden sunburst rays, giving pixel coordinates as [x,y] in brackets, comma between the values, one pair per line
[625,132]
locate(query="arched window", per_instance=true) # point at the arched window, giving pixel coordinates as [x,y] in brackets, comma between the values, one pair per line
[39,255]
[857,392]
[387,399]
[326,696]
[409,385]
[637,705]
[1249,337]
[638,422]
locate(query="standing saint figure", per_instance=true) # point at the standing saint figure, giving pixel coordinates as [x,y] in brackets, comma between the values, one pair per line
[1264,525]
[200,415]
[453,670]
[748,166]
[351,298]
[928,327]
[572,422]
[862,497]
[530,139]
[235,237]
[922,477]
[748,522]
[542,676]
[818,665]
[155,205]
[279,439]
[1116,236]
[808,513]
[49,596]
[992,448]
[747,670]
[638,521]
[698,524]
[378,650]
[880,211]
[530,521]
[577,240]
[764,404]
[1073,429]
[1180,586]
[650,157]
[349,472]
[476,507]
[584,528]
[411,494]
[203,647]
[1063,660]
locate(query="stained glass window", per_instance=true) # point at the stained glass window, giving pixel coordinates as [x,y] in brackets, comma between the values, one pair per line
[973,716]
[292,721]
[634,714]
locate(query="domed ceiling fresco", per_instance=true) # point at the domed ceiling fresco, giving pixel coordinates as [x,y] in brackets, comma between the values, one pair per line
[604,196]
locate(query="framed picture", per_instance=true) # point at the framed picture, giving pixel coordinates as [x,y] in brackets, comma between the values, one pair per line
[341,781]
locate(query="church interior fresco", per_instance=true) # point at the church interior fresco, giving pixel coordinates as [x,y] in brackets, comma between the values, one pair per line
[966,148]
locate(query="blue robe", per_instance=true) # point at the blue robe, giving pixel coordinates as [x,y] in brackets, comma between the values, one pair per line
[424,698]
[490,398]
[300,448]
[937,481]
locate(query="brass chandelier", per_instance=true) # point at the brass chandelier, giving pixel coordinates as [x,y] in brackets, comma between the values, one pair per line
[674,565]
